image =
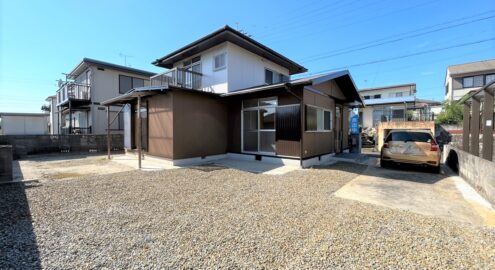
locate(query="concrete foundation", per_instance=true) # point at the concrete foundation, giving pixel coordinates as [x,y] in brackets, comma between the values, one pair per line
[5,163]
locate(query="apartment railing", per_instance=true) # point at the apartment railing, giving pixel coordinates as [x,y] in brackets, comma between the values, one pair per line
[75,130]
[178,77]
[73,91]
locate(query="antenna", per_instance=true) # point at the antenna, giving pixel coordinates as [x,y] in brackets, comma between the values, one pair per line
[242,30]
[125,56]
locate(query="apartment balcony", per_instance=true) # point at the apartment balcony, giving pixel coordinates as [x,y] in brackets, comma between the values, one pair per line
[75,130]
[178,77]
[71,91]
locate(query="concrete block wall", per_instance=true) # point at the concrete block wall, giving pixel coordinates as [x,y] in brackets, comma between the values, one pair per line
[23,145]
[478,172]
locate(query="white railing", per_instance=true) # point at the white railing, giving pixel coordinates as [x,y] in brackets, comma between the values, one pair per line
[178,77]
[73,91]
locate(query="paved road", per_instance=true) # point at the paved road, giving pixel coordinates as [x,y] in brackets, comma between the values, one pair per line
[443,195]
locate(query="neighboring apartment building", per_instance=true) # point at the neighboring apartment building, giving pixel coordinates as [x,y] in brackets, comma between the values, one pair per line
[394,103]
[227,93]
[465,78]
[23,123]
[76,107]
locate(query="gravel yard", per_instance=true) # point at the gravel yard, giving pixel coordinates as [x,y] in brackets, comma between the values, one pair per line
[216,217]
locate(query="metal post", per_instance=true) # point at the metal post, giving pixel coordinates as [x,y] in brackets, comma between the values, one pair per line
[475,127]
[465,127]
[139,130]
[488,124]
[70,117]
[109,140]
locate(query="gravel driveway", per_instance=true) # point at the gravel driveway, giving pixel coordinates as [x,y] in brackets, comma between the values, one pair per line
[214,217]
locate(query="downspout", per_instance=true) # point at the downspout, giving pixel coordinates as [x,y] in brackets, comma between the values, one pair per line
[288,87]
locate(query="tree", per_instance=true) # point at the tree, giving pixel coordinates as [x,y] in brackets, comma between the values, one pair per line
[451,114]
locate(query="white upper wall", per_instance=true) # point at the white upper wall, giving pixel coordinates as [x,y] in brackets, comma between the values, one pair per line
[243,69]
[405,90]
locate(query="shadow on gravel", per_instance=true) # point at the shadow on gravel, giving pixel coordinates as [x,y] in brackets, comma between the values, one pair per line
[18,246]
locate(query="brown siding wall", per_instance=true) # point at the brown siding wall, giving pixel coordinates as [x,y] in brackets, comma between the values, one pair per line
[318,143]
[160,128]
[200,125]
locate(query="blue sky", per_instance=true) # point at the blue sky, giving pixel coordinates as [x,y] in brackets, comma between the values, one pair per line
[41,39]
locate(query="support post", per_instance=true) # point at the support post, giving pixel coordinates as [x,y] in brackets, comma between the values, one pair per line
[139,130]
[109,140]
[465,127]
[70,117]
[488,124]
[475,127]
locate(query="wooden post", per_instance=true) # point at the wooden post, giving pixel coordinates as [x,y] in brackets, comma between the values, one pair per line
[109,140]
[465,127]
[138,135]
[475,127]
[488,124]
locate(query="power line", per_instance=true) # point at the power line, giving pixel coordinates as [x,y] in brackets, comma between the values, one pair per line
[397,35]
[405,56]
[394,40]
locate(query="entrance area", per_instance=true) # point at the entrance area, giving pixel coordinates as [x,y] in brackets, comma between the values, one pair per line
[258,125]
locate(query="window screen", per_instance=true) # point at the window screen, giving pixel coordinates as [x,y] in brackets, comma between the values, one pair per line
[125,84]
[467,82]
[489,78]
[219,62]
[478,81]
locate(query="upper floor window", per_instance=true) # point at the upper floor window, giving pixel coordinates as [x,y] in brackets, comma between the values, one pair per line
[366,97]
[489,78]
[467,82]
[377,96]
[398,94]
[272,77]
[127,83]
[219,62]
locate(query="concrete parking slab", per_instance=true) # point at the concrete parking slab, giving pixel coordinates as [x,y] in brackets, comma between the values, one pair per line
[442,195]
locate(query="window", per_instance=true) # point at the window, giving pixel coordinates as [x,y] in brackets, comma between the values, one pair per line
[366,97]
[272,77]
[377,96]
[478,81]
[467,82]
[318,119]
[398,94]
[191,61]
[489,78]
[219,62]
[268,76]
[258,125]
[403,136]
[127,83]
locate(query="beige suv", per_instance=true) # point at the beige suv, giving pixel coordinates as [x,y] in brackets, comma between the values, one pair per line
[411,147]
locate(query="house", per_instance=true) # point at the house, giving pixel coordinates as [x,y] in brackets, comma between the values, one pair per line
[394,103]
[466,78]
[76,107]
[23,123]
[228,95]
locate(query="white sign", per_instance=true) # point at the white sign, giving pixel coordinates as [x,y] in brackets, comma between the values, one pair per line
[488,123]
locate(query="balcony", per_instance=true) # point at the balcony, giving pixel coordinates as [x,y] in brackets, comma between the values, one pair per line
[73,91]
[178,77]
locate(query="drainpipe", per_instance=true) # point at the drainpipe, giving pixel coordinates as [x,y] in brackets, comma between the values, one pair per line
[288,87]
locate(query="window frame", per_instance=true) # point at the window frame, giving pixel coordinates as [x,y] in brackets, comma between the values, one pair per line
[224,54]
[464,84]
[323,110]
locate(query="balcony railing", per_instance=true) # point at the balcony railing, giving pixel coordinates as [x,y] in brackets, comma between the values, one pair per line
[75,130]
[73,91]
[178,77]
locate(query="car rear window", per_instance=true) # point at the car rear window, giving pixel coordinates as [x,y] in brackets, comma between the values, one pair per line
[409,136]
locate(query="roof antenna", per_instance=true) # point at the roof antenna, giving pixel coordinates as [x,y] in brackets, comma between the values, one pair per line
[125,56]
[242,31]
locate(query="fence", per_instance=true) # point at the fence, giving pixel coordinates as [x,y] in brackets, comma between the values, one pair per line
[23,145]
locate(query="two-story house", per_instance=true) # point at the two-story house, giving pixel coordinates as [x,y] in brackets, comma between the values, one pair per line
[227,94]
[394,103]
[466,78]
[76,108]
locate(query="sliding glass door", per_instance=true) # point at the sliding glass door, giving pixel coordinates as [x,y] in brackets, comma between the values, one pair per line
[258,125]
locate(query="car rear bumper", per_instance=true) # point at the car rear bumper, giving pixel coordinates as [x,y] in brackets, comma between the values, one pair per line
[430,160]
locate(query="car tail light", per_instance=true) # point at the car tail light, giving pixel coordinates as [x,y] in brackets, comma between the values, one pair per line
[434,146]
[385,145]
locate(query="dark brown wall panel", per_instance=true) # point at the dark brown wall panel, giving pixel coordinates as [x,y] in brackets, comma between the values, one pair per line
[160,132]
[200,125]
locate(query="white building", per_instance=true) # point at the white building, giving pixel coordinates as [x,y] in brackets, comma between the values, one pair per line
[76,107]
[469,77]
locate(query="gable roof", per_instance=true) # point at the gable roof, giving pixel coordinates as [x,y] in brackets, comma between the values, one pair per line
[224,34]
[343,78]
[88,61]
[479,66]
